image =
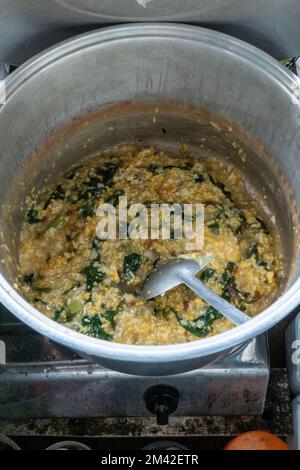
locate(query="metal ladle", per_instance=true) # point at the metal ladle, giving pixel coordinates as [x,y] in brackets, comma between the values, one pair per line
[183,271]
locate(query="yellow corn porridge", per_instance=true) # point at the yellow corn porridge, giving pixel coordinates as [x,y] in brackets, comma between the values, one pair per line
[93,286]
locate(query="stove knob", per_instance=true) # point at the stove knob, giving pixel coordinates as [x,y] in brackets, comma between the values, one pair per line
[161,400]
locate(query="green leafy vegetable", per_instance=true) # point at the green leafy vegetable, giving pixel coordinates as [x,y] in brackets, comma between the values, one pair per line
[93,327]
[107,172]
[263,226]
[163,311]
[58,193]
[28,279]
[32,216]
[252,251]
[110,316]
[131,264]
[63,315]
[96,244]
[207,274]
[57,312]
[200,178]
[236,227]
[114,198]
[230,291]
[203,325]
[223,189]
[68,311]
[229,282]
[152,168]
[260,225]
[186,167]
[227,276]
[220,186]
[214,226]
[93,276]
[87,210]
[264,264]
[92,188]
[200,327]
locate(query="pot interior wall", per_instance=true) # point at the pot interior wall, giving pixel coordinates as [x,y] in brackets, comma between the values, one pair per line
[162,125]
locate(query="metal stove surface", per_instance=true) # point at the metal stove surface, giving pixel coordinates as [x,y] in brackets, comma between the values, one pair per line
[40,379]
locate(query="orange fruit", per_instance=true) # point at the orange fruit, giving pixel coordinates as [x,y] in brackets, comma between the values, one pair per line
[256,440]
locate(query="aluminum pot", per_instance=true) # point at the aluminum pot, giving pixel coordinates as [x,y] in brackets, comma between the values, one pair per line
[105,87]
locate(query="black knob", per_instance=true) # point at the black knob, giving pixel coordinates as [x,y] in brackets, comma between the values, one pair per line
[161,400]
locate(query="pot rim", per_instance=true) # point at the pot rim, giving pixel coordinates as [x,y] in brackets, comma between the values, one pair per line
[157,353]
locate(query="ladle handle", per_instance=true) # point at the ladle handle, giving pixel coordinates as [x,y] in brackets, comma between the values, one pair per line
[233,314]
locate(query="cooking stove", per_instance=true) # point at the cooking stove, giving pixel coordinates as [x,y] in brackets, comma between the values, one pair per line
[40,379]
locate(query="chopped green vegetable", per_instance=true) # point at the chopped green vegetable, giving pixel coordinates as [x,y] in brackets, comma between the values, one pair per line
[131,264]
[114,198]
[200,178]
[214,227]
[28,279]
[163,311]
[236,227]
[110,316]
[93,188]
[96,251]
[93,327]
[90,189]
[96,243]
[227,276]
[203,325]
[87,210]
[200,327]
[186,167]
[58,193]
[93,276]
[57,313]
[67,312]
[152,168]
[253,251]
[224,191]
[260,225]
[32,216]
[207,274]
[229,281]
[264,264]
[230,266]
[107,171]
